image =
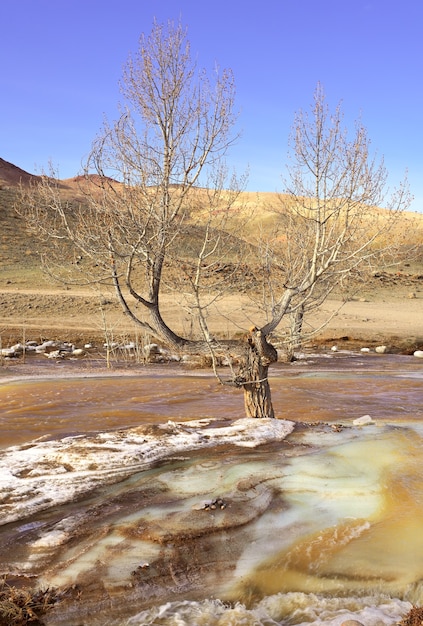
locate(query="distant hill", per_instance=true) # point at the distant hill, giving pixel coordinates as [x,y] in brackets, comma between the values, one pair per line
[11,175]
[256,211]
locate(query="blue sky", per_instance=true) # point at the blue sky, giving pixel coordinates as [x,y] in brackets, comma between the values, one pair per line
[62,61]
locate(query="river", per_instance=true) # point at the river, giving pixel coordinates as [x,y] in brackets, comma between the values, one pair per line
[153,500]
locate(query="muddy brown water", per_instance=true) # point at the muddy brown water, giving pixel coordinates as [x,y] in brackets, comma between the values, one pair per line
[323,525]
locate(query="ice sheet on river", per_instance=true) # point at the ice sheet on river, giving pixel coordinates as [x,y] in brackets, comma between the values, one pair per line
[42,474]
[314,510]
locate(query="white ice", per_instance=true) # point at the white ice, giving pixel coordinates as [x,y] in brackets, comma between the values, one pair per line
[42,474]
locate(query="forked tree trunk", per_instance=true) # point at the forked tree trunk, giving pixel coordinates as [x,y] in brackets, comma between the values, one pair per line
[254,375]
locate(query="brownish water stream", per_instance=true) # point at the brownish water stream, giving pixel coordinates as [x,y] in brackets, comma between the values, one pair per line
[310,391]
[319,524]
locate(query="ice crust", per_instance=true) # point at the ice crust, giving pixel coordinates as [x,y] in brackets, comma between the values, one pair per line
[43,474]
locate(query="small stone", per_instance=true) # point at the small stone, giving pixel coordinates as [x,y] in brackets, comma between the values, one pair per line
[365,420]
[381,349]
[55,354]
[18,348]
[78,352]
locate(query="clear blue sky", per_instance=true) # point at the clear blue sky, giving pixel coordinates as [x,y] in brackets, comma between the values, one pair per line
[61,61]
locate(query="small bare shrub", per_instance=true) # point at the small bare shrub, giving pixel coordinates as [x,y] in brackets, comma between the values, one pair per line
[413,618]
[22,607]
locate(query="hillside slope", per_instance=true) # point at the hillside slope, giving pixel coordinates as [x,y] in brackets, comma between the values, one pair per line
[388,308]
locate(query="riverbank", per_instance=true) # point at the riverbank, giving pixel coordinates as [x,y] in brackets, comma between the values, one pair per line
[387,310]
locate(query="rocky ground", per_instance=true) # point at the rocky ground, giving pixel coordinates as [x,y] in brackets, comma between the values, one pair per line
[386,310]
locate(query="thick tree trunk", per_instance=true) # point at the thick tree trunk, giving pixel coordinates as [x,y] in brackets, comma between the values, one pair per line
[254,375]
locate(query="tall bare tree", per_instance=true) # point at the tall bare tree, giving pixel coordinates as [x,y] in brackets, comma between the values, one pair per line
[158,212]
[330,226]
[155,195]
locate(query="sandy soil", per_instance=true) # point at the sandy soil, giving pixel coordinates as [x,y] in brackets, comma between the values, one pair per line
[387,310]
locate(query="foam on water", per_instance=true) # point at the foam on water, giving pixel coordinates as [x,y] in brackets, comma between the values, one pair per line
[277,610]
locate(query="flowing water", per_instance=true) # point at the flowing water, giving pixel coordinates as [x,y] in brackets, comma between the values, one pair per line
[151,500]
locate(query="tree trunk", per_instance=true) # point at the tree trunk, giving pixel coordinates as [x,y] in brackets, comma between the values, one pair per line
[253,376]
[295,336]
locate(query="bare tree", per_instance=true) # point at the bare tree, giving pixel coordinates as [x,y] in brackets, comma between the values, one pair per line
[158,212]
[330,226]
[155,195]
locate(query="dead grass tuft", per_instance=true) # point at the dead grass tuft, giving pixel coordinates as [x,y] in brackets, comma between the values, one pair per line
[413,618]
[23,607]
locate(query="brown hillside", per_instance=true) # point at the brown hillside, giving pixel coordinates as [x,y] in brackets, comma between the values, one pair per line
[12,176]
[387,307]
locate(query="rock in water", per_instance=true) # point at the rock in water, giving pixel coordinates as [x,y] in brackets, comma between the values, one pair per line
[363,421]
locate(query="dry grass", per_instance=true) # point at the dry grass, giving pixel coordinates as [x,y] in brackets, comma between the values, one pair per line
[22,607]
[29,299]
[413,618]
[19,251]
